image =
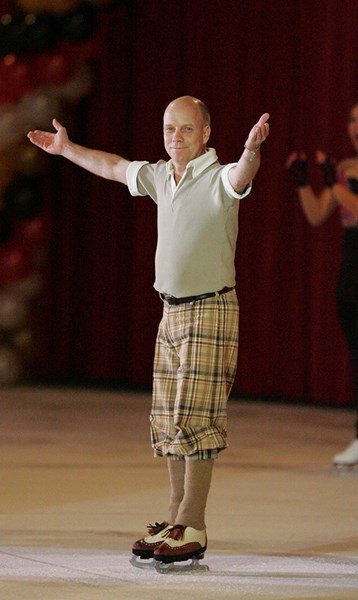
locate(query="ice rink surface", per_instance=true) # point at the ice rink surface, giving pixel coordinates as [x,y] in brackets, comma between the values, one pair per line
[79,484]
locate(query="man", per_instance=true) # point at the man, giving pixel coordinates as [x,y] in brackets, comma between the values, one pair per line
[197,341]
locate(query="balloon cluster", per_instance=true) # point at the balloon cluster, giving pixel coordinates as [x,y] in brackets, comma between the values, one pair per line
[45,52]
[25,229]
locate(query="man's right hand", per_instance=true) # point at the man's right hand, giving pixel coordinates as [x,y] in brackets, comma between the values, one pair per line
[53,143]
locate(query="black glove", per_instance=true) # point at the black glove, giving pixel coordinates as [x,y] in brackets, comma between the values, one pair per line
[298,169]
[329,169]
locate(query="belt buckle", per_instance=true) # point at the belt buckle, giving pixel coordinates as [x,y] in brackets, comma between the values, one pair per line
[168,298]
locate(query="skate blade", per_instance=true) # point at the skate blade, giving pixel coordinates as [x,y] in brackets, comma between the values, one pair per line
[142,563]
[342,469]
[189,566]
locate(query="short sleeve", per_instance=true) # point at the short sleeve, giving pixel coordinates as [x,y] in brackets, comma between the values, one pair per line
[228,187]
[132,174]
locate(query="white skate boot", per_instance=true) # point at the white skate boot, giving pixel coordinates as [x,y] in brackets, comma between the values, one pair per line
[349,456]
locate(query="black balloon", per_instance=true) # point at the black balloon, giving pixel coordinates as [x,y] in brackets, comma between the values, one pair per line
[22,198]
[40,32]
[8,35]
[28,33]
[79,25]
[6,228]
[110,5]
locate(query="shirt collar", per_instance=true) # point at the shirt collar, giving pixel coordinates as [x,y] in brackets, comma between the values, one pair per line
[198,164]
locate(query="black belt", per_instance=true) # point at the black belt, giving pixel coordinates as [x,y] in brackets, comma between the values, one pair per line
[173,300]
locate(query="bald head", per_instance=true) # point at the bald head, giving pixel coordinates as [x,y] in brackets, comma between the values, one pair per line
[191,102]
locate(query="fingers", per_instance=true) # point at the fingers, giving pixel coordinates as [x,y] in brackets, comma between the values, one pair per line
[263,119]
[33,135]
[57,125]
[39,135]
[37,138]
[260,131]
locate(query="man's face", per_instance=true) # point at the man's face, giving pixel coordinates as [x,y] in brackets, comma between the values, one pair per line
[185,134]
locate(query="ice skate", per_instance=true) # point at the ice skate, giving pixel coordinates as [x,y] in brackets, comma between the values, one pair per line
[181,544]
[184,567]
[143,549]
[349,457]
[142,563]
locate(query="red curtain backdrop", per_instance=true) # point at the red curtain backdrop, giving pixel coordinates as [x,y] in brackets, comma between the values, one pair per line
[296,59]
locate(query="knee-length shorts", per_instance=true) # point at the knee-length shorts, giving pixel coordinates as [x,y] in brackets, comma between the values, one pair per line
[194,369]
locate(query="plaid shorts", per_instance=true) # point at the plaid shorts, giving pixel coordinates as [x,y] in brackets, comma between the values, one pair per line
[194,369]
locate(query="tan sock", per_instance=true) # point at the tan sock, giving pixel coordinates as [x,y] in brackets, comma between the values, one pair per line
[176,470]
[197,485]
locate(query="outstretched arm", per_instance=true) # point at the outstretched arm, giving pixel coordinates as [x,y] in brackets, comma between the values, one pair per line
[103,164]
[248,165]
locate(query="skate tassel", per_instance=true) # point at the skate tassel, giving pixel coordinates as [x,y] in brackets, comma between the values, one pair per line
[156,528]
[177,533]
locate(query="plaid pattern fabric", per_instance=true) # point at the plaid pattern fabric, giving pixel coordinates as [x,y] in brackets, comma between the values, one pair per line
[210,454]
[194,369]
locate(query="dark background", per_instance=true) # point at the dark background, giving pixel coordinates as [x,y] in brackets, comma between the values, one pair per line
[297,60]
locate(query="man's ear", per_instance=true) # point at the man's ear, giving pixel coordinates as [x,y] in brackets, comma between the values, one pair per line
[207,132]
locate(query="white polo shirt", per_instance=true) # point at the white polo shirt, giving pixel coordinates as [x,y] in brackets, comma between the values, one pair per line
[197,223]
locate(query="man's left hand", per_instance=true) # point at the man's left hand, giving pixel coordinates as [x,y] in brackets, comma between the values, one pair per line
[258,133]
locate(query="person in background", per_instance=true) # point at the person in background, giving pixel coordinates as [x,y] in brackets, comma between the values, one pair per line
[340,195]
[196,348]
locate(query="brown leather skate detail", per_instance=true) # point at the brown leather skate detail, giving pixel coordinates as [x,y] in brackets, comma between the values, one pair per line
[143,549]
[192,548]
[156,528]
[167,553]
[177,533]
[145,546]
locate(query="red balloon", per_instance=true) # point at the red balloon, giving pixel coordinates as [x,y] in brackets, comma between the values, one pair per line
[90,48]
[15,263]
[34,233]
[5,96]
[15,77]
[53,67]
